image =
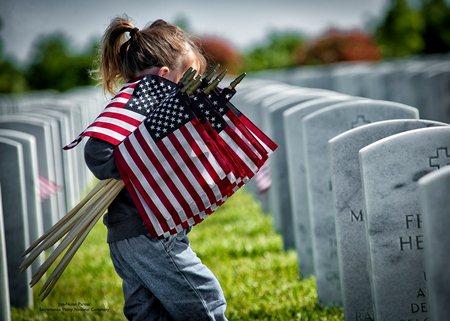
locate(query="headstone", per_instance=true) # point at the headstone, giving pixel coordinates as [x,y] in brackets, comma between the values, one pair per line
[5,314]
[249,102]
[41,131]
[56,160]
[12,181]
[352,249]
[279,193]
[318,128]
[435,204]
[34,211]
[438,101]
[293,135]
[70,179]
[80,121]
[390,169]
[72,161]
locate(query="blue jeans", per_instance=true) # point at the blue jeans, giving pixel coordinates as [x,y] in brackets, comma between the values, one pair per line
[163,279]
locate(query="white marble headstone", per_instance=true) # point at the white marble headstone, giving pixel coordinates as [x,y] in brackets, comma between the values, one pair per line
[434,191]
[12,180]
[318,128]
[279,193]
[390,170]
[348,201]
[42,132]
[31,175]
[5,313]
[297,181]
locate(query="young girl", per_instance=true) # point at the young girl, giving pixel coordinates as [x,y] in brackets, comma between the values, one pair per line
[162,279]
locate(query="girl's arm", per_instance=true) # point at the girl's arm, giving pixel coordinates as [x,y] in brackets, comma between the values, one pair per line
[99,157]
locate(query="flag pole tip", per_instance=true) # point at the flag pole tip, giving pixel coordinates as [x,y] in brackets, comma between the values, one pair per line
[235,82]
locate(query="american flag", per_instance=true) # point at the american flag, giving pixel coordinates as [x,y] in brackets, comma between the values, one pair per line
[127,110]
[173,168]
[234,116]
[259,142]
[47,188]
[231,137]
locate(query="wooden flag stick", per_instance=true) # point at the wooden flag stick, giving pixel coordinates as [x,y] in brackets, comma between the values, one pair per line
[51,281]
[68,216]
[84,220]
[96,215]
[56,274]
[63,229]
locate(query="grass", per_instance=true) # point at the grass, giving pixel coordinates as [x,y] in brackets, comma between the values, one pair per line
[260,280]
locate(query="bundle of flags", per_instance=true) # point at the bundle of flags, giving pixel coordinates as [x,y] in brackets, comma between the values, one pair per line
[191,153]
[182,150]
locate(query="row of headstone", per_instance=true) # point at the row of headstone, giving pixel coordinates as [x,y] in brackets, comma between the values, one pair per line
[344,194]
[422,82]
[40,182]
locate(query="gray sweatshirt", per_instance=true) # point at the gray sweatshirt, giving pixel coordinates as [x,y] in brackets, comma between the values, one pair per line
[122,219]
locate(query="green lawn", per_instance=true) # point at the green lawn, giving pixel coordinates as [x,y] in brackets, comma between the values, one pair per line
[238,244]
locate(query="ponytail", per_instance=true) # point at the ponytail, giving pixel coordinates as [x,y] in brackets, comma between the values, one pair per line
[122,57]
[110,64]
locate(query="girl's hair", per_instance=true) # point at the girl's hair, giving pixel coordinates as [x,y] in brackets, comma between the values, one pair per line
[160,44]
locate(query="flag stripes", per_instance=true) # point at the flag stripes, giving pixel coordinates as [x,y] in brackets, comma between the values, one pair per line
[127,110]
[186,158]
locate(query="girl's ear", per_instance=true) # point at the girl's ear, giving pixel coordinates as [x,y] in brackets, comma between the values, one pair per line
[163,71]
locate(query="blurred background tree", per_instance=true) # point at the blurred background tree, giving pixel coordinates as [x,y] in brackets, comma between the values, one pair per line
[399,32]
[410,30]
[337,45]
[436,32]
[277,51]
[406,28]
[54,65]
[220,51]
[11,76]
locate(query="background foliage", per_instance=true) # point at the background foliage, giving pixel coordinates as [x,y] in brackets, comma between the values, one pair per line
[407,27]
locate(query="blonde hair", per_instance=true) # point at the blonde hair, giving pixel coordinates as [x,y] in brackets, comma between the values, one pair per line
[160,44]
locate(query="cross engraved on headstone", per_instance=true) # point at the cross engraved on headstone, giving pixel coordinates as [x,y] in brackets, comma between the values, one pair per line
[360,120]
[441,159]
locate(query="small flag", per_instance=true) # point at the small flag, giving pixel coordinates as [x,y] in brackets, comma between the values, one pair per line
[47,188]
[172,168]
[127,110]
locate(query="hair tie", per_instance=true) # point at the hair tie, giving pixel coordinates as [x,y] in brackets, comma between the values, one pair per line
[133,31]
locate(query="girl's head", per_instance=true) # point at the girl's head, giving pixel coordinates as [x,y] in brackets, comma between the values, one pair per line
[161,49]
